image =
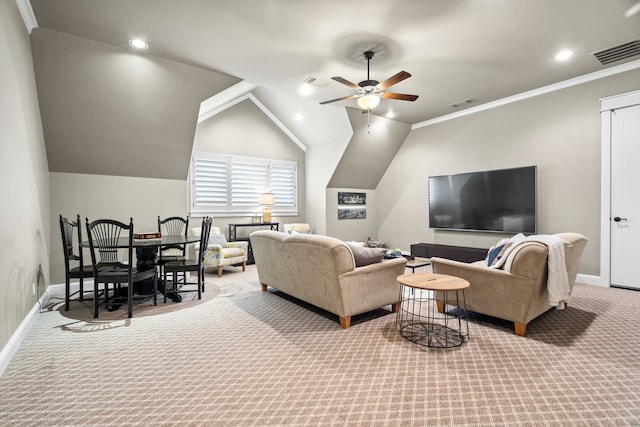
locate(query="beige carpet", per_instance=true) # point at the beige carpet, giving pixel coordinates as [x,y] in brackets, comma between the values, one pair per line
[242,357]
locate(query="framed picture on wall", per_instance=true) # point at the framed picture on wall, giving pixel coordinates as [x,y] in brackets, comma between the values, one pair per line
[349,198]
[352,213]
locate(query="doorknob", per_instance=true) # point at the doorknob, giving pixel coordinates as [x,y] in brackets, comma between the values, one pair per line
[618,219]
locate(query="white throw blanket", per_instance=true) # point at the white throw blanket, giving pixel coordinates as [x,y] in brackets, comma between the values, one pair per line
[557,279]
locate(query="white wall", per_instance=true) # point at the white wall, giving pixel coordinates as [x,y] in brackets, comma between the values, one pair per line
[24,191]
[245,130]
[351,229]
[559,132]
[114,197]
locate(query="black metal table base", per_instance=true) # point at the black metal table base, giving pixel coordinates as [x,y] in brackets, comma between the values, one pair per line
[419,321]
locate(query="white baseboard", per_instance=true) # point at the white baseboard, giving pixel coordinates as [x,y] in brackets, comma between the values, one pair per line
[56,291]
[16,339]
[589,279]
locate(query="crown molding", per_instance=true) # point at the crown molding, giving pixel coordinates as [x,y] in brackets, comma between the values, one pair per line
[26,11]
[532,93]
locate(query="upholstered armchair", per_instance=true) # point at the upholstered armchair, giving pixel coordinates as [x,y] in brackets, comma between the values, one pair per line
[518,290]
[221,253]
[298,227]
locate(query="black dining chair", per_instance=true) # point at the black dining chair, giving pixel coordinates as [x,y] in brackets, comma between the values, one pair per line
[72,256]
[197,265]
[172,226]
[108,239]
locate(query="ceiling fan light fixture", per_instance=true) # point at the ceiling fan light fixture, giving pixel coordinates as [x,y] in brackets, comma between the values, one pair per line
[138,44]
[368,102]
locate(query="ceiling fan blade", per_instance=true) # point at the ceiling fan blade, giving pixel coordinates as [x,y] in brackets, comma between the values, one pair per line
[399,96]
[346,82]
[338,99]
[394,79]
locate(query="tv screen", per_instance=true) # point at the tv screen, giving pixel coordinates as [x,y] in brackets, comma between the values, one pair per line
[498,200]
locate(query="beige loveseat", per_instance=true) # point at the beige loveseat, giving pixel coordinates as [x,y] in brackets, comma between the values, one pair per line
[518,290]
[321,270]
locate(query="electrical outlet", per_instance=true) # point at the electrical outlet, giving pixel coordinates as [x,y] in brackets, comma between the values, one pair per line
[33,285]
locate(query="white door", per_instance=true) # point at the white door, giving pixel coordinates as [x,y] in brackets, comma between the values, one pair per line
[625,196]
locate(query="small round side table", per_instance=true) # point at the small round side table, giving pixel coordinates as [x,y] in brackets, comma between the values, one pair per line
[423,318]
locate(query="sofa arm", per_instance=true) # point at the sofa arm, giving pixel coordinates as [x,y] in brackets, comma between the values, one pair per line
[214,248]
[242,244]
[494,292]
[476,274]
[371,286]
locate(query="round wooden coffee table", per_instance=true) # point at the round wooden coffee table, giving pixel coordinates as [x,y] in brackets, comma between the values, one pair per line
[423,318]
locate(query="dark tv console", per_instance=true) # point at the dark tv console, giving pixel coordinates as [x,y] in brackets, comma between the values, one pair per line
[456,253]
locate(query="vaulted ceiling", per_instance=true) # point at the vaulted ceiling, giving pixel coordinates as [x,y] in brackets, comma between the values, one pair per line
[479,50]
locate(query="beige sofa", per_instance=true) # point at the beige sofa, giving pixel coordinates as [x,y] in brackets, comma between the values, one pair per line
[321,270]
[518,291]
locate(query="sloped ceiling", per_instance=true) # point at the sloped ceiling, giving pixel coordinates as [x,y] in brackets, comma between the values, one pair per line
[454,49]
[374,144]
[109,111]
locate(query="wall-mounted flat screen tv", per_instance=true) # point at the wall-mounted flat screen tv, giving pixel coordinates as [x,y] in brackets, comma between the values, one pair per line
[501,200]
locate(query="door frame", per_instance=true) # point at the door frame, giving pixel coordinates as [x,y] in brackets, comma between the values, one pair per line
[607,107]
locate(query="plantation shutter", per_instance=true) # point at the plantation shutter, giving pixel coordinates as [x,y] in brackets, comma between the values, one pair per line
[283,184]
[209,189]
[248,180]
[231,185]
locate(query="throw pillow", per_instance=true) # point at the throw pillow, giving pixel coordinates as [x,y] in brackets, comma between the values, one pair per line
[365,256]
[218,239]
[493,253]
[507,247]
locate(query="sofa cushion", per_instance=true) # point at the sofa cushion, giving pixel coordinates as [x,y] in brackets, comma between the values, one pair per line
[365,256]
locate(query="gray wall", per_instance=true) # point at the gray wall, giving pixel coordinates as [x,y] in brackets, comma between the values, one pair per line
[245,130]
[110,111]
[24,190]
[559,132]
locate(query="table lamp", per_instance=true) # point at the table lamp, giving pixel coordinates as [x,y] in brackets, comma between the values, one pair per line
[266,200]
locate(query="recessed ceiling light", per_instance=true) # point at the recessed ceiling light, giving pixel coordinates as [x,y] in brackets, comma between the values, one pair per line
[390,114]
[299,117]
[138,44]
[563,55]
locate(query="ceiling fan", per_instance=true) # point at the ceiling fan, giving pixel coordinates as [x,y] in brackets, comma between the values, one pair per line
[370,91]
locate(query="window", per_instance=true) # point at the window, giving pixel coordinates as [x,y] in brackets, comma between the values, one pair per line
[231,185]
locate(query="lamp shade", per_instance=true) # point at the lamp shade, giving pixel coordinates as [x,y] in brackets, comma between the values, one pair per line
[368,102]
[267,199]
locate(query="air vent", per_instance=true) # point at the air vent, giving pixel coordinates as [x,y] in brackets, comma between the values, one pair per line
[462,103]
[618,53]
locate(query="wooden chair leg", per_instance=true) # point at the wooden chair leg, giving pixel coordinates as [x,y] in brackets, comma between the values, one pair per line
[345,322]
[395,307]
[264,287]
[521,328]
[440,306]
[244,265]
[220,271]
